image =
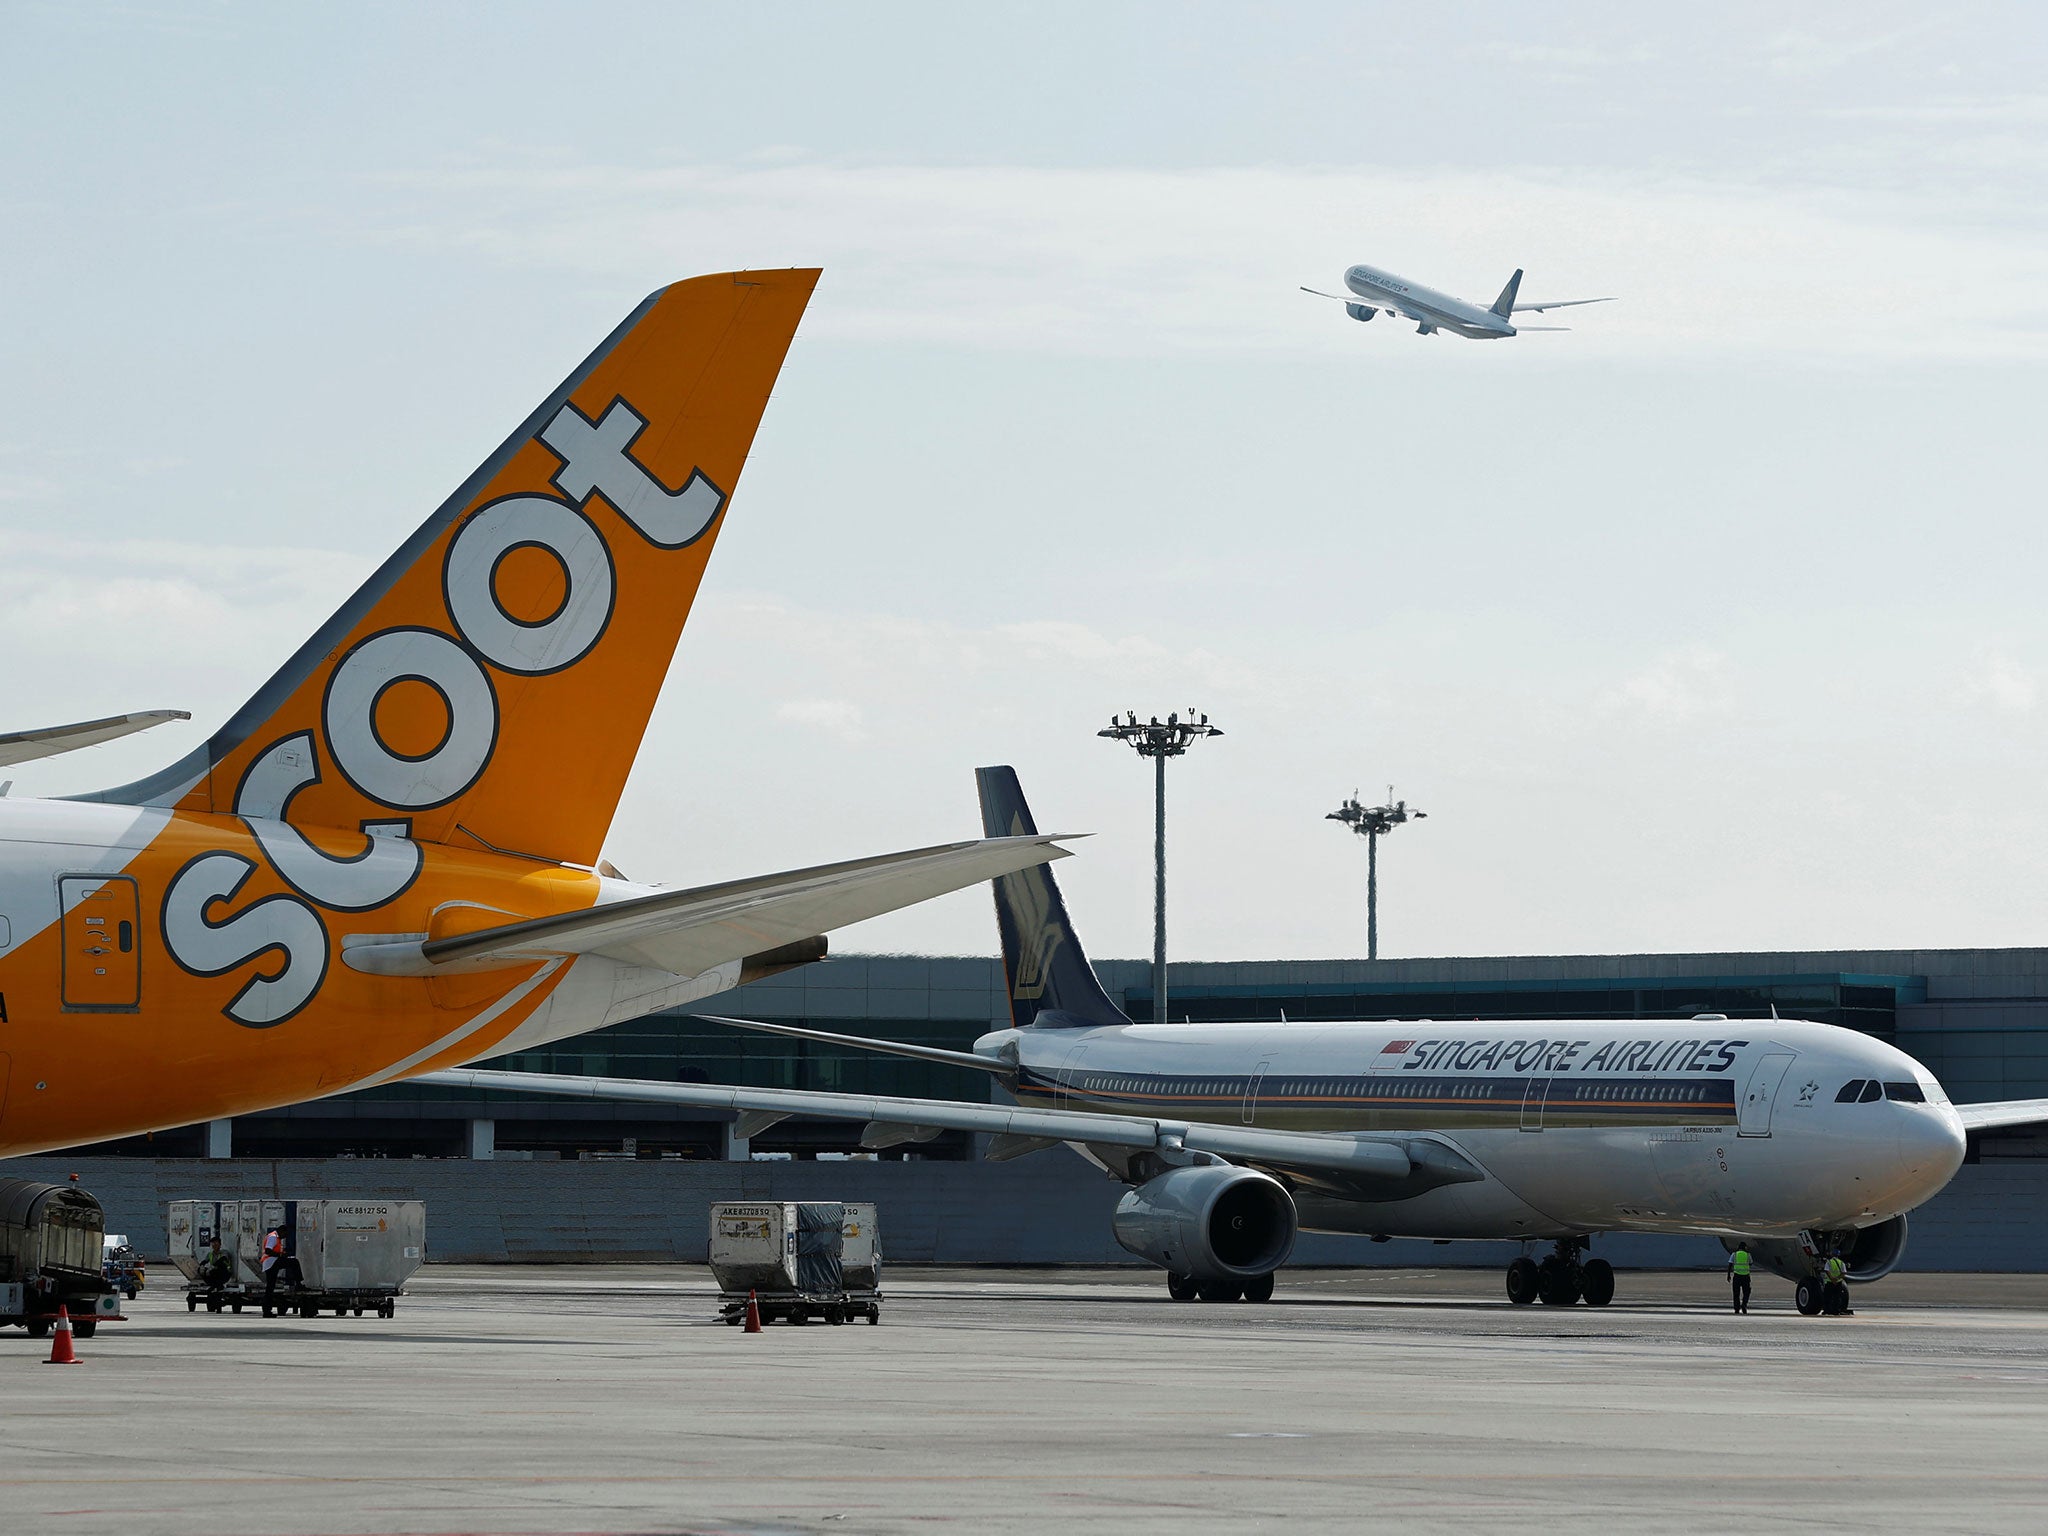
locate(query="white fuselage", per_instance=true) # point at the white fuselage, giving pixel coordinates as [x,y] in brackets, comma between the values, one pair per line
[1710,1126]
[1425,306]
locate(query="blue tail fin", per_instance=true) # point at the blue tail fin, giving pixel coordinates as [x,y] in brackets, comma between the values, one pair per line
[1051,983]
[1505,304]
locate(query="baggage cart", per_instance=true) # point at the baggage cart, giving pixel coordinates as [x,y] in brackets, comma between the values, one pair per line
[51,1240]
[791,1258]
[344,1256]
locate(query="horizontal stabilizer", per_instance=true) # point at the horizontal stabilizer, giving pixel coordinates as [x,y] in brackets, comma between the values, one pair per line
[1395,1163]
[689,932]
[27,746]
[2003,1116]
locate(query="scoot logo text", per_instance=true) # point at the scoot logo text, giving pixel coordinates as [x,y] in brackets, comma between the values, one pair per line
[203,934]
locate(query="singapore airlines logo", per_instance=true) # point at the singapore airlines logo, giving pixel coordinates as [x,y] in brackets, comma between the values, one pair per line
[1027,895]
[488,635]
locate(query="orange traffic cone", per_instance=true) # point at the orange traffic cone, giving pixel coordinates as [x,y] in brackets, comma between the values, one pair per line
[60,1342]
[753,1319]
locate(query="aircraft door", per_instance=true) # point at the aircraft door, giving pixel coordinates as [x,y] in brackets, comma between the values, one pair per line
[1070,1071]
[1754,1117]
[102,943]
[1533,1099]
[1251,1091]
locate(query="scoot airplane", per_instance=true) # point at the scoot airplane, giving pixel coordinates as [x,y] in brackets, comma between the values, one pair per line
[383,862]
[1373,290]
[1802,1138]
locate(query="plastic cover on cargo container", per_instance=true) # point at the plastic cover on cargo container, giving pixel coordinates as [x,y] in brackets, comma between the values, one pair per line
[818,1247]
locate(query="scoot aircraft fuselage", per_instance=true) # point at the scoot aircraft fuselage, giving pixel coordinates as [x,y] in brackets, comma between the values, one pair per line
[168,966]
[1709,1126]
[387,860]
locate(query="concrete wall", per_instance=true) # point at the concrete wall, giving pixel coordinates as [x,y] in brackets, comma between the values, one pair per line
[1050,1208]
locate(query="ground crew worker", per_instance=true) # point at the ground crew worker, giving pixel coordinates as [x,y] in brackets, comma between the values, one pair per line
[1738,1277]
[1836,1274]
[215,1267]
[278,1264]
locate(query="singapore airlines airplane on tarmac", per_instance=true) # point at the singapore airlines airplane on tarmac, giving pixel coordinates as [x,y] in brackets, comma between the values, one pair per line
[384,861]
[1802,1138]
[1373,290]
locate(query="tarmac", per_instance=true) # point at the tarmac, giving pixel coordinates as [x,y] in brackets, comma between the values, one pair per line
[608,1399]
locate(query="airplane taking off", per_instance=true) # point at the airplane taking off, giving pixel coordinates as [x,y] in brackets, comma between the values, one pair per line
[1373,290]
[1802,1138]
[384,862]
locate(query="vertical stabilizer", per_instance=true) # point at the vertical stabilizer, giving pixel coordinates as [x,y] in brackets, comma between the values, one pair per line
[1505,304]
[1050,981]
[489,685]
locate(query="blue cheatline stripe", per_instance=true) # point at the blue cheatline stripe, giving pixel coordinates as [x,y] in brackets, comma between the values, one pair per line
[1640,1097]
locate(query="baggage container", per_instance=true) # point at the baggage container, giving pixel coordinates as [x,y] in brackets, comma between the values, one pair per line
[350,1255]
[753,1246]
[860,1254]
[790,1256]
[52,1240]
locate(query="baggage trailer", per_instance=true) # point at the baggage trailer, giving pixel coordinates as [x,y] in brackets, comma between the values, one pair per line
[51,1240]
[345,1256]
[799,1260]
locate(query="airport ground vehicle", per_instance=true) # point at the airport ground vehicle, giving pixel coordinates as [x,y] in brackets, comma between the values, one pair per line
[51,1236]
[122,1265]
[798,1261]
[348,1257]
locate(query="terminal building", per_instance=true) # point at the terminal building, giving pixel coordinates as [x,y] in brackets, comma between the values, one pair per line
[1977,1018]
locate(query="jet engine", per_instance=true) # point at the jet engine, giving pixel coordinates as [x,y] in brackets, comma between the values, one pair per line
[1214,1222]
[1870,1252]
[1360,311]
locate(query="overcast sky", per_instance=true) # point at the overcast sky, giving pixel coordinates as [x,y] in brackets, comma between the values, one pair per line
[1716,623]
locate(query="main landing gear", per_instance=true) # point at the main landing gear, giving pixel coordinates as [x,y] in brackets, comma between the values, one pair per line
[1187,1288]
[1817,1297]
[1562,1278]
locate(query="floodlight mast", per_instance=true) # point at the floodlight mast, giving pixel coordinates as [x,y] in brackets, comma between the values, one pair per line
[1369,822]
[1159,741]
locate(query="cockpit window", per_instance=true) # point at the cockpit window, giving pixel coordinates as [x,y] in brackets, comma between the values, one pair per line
[1872,1092]
[1849,1091]
[1905,1093]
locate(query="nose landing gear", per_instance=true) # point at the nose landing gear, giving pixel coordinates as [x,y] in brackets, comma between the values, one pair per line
[1562,1278]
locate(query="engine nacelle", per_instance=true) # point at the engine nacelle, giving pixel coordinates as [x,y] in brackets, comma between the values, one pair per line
[1360,311]
[1214,1222]
[1871,1253]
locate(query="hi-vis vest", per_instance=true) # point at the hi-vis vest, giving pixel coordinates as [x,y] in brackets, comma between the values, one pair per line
[1836,1268]
[1741,1263]
[273,1247]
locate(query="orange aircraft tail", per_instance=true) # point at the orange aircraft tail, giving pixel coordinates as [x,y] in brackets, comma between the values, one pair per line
[489,685]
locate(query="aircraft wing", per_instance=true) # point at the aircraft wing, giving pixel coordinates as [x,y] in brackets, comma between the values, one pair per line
[1389,1163]
[688,932]
[27,746]
[1559,304]
[2003,1115]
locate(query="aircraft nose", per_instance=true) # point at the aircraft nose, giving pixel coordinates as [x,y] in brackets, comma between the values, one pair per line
[1931,1145]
